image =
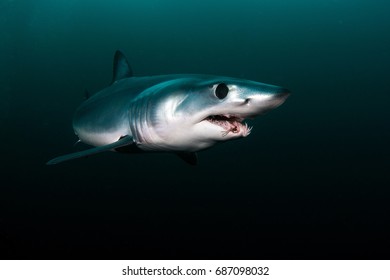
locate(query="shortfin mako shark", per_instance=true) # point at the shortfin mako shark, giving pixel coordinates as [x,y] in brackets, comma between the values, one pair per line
[180,114]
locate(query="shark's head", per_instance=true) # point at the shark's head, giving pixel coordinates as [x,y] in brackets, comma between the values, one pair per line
[227,102]
[194,114]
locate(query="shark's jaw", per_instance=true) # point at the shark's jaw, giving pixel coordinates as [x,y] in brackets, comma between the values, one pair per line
[230,124]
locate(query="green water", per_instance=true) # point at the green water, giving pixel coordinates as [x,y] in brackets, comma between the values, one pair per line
[311,181]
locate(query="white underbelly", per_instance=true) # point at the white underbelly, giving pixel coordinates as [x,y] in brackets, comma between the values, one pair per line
[102,138]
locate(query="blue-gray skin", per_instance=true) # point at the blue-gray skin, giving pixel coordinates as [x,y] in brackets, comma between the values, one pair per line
[182,114]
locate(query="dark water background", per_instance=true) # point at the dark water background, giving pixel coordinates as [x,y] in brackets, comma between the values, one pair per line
[311,181]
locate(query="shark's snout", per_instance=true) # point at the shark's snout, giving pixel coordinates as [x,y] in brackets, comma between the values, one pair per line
[279,98]
[282,94]
[265,102]
[284,91]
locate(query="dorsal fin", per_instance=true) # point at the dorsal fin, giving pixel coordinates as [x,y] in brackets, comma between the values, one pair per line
[122,68]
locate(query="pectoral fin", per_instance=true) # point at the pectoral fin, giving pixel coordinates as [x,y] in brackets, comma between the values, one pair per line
[123,141]
[188,157]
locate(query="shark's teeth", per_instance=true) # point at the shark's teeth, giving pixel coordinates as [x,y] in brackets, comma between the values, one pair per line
[224,133]
[248,129]
[230,124]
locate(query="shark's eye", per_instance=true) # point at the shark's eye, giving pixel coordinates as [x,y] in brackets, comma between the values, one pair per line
[221,91]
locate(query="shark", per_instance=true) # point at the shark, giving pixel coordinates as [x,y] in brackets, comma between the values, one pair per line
[179,113]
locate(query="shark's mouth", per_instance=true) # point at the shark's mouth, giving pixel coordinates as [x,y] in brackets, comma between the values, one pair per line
[230,124]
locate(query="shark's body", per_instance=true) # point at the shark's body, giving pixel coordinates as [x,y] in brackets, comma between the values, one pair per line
[182,114]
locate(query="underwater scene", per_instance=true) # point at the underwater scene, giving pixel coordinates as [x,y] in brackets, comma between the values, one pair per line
[270,121]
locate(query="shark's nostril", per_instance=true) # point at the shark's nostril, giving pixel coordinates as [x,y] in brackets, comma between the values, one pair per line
[247,101]
[284,90]
[284,94]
